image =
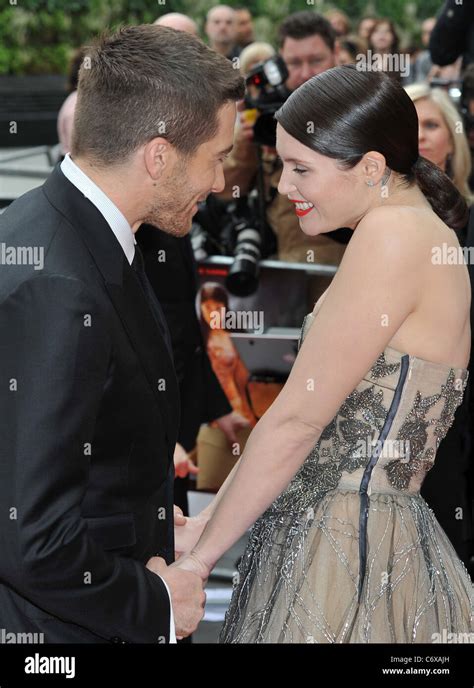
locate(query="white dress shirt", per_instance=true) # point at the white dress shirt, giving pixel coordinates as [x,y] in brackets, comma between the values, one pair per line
[124,234]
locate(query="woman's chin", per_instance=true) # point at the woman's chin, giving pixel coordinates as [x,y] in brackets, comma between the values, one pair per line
[312,228]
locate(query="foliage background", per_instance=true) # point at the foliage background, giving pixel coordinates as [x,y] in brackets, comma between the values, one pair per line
[39,36]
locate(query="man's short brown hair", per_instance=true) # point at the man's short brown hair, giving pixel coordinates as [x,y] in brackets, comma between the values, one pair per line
[147,81]
[304,24]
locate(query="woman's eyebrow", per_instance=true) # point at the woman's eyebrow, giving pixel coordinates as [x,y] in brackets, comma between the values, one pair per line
[301,162]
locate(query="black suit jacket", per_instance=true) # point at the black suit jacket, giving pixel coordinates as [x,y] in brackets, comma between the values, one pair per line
[89,417]
[171,269]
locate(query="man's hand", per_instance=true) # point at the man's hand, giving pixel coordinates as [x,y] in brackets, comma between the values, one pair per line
[193,564]
[183,465]
[230,425]
[187,595]
[245,131]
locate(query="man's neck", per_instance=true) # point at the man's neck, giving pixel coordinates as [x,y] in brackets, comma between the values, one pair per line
[112,186]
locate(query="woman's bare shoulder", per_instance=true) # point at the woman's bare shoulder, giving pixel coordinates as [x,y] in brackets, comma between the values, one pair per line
[393,233]
[403,222]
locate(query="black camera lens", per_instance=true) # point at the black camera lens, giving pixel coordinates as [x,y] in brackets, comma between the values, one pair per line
[265,129]
[242,279]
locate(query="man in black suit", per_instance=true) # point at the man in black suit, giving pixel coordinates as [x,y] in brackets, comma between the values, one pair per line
[88,393]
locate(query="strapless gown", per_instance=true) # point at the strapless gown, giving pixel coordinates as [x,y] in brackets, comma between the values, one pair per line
[350,552]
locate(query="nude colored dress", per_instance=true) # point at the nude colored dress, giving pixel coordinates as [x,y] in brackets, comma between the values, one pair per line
[350,552]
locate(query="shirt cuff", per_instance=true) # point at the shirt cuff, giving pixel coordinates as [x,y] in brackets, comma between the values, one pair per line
[172,626]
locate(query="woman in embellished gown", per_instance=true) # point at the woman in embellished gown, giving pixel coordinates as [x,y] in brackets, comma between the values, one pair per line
[343,548]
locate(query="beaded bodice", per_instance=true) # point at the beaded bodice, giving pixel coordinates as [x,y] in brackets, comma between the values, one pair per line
[385,435]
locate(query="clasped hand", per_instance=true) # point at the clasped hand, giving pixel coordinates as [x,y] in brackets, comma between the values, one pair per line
[187,532]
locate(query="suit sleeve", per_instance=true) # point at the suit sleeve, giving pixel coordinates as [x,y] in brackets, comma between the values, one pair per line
[55,349]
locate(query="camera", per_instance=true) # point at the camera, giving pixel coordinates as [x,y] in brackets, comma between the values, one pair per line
[234,229]
[249,239]
[453,88]
[461,94]
[246,243]
[242,278]
[240,228]
[266,92]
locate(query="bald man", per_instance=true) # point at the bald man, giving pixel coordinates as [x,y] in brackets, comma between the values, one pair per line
[221,29]
[179,22]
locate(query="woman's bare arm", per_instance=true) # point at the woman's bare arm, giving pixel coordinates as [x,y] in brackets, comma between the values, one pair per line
[375,289]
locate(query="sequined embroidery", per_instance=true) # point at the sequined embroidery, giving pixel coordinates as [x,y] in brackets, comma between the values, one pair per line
[381,368]
[414,433]
[299,578]
[342,447]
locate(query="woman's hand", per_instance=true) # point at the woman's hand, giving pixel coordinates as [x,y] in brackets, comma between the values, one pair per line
[187,532]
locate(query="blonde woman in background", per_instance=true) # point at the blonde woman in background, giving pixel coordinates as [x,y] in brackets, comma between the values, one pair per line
[441,135]
[253,54]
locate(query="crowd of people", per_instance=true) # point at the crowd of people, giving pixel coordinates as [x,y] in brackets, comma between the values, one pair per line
[395,117]
[310,44]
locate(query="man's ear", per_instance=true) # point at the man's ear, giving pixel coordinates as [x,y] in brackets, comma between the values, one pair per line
[159,157]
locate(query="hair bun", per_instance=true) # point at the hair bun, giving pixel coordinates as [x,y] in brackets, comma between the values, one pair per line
[440,191]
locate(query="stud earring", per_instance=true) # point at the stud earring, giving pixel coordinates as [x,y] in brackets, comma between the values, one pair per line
[369,182]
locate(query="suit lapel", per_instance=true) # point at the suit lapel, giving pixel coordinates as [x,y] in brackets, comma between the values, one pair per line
[125,293]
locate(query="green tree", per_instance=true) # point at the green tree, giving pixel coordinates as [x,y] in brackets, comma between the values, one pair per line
[39,36]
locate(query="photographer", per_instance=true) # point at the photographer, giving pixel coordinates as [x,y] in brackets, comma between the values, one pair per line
[307,46]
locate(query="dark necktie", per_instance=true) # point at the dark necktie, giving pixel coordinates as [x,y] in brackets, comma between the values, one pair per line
[138,265]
